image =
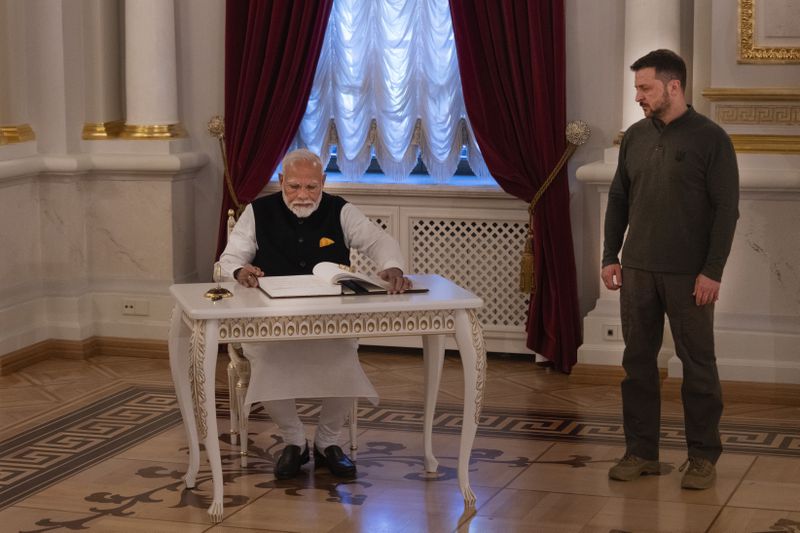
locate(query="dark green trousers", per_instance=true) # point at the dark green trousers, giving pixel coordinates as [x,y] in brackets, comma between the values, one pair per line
[645,298]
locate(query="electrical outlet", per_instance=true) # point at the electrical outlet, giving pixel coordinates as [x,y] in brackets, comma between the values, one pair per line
[135,307]
[612,332]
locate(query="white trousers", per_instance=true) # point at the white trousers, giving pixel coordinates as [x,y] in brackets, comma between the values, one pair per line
[329,426]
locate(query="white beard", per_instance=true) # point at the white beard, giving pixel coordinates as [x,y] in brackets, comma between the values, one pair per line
[304,211]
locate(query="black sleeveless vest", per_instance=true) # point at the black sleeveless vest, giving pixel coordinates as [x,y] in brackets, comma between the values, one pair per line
[288,245]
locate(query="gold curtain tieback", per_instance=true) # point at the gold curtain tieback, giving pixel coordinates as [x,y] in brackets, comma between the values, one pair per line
[216,127]
[578,133]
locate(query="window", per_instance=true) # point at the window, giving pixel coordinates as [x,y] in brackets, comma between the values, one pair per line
[387,93]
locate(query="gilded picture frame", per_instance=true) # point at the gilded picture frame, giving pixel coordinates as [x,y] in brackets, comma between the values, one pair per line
[750,51]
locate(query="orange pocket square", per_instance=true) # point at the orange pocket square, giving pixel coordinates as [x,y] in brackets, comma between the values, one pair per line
[323,242]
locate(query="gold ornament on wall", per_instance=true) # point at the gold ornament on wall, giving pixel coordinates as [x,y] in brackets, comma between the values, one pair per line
[750,51]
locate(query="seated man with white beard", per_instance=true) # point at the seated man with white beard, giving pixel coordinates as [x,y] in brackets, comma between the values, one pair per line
[287,233]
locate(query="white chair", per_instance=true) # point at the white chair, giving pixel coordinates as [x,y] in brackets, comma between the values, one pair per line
[238,381]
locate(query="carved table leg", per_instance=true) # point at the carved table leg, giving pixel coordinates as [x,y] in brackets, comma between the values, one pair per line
[205,336]
[433,357]
[469,337]
[179,363]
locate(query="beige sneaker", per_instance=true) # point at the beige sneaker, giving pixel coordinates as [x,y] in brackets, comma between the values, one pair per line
[630,467]
[700,475]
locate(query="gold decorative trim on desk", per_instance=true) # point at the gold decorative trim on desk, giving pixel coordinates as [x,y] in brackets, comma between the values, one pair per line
[766,144]
[17,133]
[762,94]
[749,52]
[95,131]
[153,131]
[336,326]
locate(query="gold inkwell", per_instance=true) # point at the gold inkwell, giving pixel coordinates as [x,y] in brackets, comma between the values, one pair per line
[219,292]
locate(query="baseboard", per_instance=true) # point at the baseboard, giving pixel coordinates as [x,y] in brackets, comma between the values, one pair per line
[147,348]
[91,347]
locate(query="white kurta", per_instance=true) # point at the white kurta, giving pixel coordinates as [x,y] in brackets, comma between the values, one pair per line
[313,368]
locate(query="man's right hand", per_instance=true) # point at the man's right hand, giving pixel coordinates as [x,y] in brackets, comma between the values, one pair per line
[248,275]
[612,276]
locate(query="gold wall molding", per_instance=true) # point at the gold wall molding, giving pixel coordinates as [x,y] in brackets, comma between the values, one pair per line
[93,346]
[95,131]
[761,94]
[766,144]
[17,133]
[762,115]
[152,131]
[749,51]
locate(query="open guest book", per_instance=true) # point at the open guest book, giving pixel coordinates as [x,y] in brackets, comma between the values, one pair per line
[328,279]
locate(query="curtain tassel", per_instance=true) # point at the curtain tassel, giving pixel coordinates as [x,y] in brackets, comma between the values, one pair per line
[527,278]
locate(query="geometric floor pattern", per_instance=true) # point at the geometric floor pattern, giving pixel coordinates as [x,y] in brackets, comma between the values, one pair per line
[48,453]
[98,445]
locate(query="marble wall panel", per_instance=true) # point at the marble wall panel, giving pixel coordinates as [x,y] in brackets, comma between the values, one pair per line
[63,233]
[108,320]
[129,229]
[20,253]
[70,317]
[23,324]
[184,238]
[762,276]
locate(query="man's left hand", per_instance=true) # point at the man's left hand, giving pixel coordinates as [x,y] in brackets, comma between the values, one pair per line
[397,282]
[706,290]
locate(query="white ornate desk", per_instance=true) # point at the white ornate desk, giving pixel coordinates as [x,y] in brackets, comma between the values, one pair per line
[198,325]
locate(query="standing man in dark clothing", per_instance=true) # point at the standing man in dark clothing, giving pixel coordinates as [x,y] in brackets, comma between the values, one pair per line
[676,191]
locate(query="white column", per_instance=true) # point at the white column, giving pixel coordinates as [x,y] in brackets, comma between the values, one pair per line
[151,89]
[14,127]
[701,55]
[649,25]
[102,76]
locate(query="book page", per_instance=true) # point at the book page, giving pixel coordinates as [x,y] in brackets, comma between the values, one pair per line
[334,273]
[303,285]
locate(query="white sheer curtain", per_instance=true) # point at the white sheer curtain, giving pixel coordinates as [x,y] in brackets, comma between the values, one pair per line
[388,79]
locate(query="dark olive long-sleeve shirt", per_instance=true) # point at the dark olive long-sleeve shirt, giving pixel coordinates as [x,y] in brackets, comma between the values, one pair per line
[676,190]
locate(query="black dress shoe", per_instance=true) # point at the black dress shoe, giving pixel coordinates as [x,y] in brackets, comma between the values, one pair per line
[337,462]
[291,459]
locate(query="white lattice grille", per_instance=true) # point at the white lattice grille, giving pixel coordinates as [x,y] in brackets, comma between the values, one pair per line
[481,256]
[361,262]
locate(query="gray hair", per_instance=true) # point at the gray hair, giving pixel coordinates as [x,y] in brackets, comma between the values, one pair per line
[301,154]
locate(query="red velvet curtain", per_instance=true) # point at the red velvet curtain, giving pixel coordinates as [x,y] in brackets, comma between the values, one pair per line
[271,52]
[511,59]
